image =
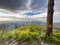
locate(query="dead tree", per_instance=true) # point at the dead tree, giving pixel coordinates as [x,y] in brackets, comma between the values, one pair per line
[49,25]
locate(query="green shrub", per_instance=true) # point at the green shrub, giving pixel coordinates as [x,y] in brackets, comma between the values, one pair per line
[54,38]
[6,35]
[28,33]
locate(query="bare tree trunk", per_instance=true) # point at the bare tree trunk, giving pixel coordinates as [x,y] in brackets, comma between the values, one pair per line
[49,25]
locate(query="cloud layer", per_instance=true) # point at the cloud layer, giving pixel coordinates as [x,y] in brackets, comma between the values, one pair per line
[22,4]
[12,4]
[28,9]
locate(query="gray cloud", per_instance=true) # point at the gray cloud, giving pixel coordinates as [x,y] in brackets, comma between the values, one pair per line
[39,4]
[21,4]
[12,4]
[57,5]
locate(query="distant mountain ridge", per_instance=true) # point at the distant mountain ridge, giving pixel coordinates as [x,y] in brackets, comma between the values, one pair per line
[9,25]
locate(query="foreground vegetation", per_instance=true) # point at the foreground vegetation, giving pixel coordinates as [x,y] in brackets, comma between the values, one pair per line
[30,33]
[53,39]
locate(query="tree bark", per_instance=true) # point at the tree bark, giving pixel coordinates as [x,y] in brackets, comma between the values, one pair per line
[49,25]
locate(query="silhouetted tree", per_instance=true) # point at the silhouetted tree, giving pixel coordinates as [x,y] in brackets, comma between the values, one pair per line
[49,25]
[16,26]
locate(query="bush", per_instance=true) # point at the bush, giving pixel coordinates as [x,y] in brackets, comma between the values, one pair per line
[28,33]
[54,38]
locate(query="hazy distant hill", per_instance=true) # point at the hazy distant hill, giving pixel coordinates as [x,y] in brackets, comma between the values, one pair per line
[9,25]
[57,26]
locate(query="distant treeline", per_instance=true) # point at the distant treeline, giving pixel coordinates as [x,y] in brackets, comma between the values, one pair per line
[11,26]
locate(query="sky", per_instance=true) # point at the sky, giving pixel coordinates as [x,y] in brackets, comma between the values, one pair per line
[27,10]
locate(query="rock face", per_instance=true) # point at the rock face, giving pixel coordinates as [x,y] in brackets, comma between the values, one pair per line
[13,42]
[9,42]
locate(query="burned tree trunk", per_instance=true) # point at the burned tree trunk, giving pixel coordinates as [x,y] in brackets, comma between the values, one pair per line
[49,25]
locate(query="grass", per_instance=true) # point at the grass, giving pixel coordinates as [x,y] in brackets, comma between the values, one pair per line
[28,33]
[31,33]
[54,38]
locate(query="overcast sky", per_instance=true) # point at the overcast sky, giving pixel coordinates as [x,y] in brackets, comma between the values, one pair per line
[35,10]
